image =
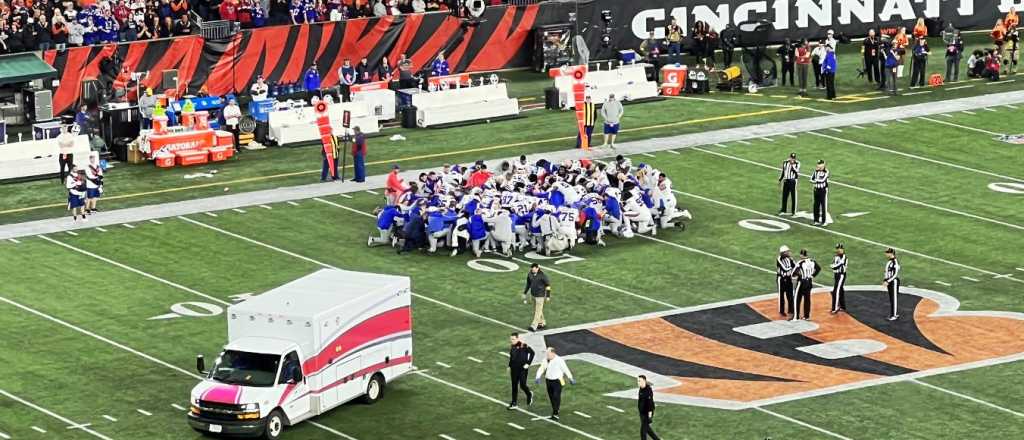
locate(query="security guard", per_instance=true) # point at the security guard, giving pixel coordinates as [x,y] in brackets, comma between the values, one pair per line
[539,287]
[788,180]
[891,282]
[784,269]
[819,179]
[839,264]
[520,356]
[807,269]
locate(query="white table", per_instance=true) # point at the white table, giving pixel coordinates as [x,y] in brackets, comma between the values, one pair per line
[628,82]
[299,125]
[464,104]
[38,157]
[381,101]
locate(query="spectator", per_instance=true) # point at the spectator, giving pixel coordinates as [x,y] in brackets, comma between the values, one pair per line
[279,13]
[76,33]
[43,34]
[675,41]
[920,29]
[83,120]
[803,63]
[405,74]
[309,9]
[419,6]
[991,66]
[920,63]
[787,56]
[311,81]
[651,50]
[363,72]
[30,35]
[976,64]
[899,45]
[384,72]
[182,26]
[164,10]
[233,118]
[296,12]
[817,56]
[244,13]
[147,102]
[336,13]
[346,78]
[440,66]
[379,10]
[59,32]
[144,33]
[179,8]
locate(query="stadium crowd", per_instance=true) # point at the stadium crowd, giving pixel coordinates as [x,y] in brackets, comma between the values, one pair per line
[544,206]
[29,25]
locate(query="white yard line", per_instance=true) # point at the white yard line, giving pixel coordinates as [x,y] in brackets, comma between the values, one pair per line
[845,235]
[804,424]
[82,426]
[964,396]
[1000,82]
[135,271]
[762,104]
[878,193]
[63,419]
[502,403]
[965,127]
[917,93]
[618,410]
[5,436]
[303,257]
[144,412]
[109,418]
[960,87]
[481,432]
[922,158]
[155,221]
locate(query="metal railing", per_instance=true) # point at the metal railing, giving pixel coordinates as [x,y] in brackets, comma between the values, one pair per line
[214,29]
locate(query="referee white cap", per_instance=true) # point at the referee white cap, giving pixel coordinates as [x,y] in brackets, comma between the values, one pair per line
[783,248]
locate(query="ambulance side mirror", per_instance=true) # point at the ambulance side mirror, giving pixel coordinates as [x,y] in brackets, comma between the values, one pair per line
[201,364]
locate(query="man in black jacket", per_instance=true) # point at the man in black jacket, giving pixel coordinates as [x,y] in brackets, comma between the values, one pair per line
[520,356]
[870,51]
[787,56]
[539,287]
[645,404]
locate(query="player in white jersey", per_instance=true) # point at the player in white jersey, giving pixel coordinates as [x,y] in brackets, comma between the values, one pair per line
[665,203]
[501,235]
[567,221]
[639,216]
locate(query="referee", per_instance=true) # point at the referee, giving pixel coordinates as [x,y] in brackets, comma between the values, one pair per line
[892,281]
[806,270]
[819,179]
[787,180]
[589,118]
[784,269]
[839,264]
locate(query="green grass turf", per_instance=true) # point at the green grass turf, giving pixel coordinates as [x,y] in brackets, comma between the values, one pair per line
[542,130]
[83,378]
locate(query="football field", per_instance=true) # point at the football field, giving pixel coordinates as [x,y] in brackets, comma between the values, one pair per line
[102,325]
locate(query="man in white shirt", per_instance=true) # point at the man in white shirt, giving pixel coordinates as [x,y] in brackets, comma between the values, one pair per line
[553,369]
[611,112]
[66,160]
[232,118]
[259,89]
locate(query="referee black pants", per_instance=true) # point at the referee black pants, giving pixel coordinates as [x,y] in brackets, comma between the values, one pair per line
[839,292]
[894,292]
[555,395]
[646,430]
[820,204]
[803,297]
[785,294]
[519,381]
[789,190]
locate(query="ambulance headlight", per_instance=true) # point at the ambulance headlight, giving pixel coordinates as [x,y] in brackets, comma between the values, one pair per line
[251,407]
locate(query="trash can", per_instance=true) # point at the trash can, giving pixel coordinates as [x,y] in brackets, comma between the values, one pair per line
[551,98]
[409,117]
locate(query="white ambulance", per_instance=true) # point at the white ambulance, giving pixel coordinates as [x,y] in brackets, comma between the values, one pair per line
[301,349]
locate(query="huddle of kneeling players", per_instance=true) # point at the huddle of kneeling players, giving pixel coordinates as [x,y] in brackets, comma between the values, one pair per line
[795,300]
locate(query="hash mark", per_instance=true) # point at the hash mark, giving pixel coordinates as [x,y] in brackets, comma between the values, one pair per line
[648,154]
[672,151]
[968,112]
[109,418]
[881,124]
[5,436]
[618,410]
[445,437]
[71,233]
[506,354]
[101,229]
[210,214]
[345,195]
[127,225]
[584,415]
[265,207]
[39,430]
[836,130]
[13,241]
[155,221]
[177,407]
[790,136]
[516,426]
[943,283]
[970,279]
[292,203]
[238,210]
[370,191]
[144,412]
[902,121]
[474,359]
[443,364]
[946,115]
[482,432]
[743,142]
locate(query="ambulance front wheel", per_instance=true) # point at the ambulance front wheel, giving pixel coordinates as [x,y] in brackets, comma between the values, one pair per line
[374,389]
[275,425]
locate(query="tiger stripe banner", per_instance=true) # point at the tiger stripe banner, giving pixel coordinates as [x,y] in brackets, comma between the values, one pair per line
[283,53]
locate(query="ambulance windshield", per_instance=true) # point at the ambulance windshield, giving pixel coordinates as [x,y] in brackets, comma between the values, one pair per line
[246,369]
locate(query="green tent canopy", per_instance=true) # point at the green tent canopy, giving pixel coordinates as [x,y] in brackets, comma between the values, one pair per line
[23,67]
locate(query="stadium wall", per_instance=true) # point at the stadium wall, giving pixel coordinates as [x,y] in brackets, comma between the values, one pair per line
[502,40]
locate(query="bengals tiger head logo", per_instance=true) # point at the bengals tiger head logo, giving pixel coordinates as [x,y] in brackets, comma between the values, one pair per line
[740,354]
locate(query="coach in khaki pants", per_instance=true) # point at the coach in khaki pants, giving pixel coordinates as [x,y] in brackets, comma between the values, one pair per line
[539,288]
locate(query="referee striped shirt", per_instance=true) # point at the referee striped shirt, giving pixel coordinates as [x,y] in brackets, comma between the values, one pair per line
[805,269]
[790,170]
[820,179]
[784,266]
[589,113]
[892,270]
[839,264]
